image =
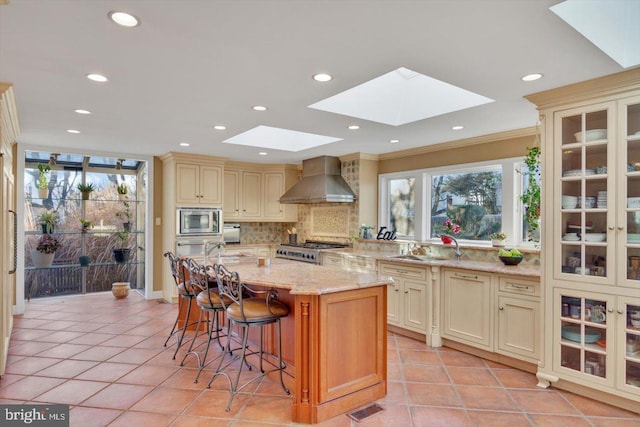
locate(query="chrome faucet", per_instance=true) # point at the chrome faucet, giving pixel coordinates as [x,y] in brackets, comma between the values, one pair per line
[209,246]
[457,252]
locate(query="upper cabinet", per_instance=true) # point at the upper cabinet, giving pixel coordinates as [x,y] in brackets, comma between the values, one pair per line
[252,192]
[198,184]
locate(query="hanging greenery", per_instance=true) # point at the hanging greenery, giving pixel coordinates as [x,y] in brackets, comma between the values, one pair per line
[531,196]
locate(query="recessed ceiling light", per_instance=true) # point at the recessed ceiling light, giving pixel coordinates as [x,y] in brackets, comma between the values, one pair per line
[262,153]
[124,19]
[322,77]
[73,131]
[219,127]
[184,144]
[354,127]
[97,78]
[532,77]
[458,127]
[259,108]
[79,111]
[393,141]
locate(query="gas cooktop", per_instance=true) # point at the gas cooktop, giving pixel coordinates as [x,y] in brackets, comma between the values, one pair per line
[308,251]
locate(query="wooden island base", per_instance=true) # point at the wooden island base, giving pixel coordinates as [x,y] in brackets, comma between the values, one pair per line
[334,340]
[340,352]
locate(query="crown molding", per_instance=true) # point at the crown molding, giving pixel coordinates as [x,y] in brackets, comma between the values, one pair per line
[493,137]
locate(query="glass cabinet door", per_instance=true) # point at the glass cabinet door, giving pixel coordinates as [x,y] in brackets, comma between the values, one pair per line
[630,203]
[629,375]
[583,330]
[584,166]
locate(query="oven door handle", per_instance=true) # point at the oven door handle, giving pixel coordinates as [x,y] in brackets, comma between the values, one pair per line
[190,244]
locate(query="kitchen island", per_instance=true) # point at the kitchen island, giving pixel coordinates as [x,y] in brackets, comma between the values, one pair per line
[335,337]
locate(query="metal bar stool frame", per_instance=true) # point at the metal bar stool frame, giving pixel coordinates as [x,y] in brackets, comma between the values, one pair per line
[247,313]
[186,291]
[211,305]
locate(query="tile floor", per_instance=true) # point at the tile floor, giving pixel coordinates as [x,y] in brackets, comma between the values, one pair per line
[105,358]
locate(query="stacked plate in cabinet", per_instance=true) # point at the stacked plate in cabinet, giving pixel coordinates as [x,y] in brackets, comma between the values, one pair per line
[602,199]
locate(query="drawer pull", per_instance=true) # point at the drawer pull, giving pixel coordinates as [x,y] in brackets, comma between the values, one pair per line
[466,276]
[516,286]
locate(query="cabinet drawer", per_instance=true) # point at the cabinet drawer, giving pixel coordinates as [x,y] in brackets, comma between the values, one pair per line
[519,286]
[332,260]
[361,263]
[401,270]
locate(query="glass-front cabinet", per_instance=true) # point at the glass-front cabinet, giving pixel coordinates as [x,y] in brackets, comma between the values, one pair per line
[598,165]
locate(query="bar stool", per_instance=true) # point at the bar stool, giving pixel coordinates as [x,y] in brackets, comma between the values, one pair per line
[186,292]
[246,313]
[210,303]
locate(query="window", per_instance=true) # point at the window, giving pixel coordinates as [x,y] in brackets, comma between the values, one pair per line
[483,198]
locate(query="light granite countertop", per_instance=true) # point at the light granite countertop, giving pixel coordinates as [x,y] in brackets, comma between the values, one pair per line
[489,267]
[300,278]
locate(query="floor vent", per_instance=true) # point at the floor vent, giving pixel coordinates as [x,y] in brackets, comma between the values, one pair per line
[365,412]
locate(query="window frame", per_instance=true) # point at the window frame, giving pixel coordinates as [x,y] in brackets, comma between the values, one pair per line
[512,183]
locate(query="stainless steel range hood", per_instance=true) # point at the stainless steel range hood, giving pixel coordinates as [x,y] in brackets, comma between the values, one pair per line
[321,182]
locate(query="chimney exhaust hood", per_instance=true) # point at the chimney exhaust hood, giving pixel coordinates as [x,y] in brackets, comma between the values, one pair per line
[321,182]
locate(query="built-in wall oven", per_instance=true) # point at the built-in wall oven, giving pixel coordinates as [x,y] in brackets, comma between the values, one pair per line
[198,222]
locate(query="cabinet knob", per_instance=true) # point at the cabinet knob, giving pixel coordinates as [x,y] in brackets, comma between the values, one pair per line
[620,227]
[620,311]
[611,227]
[610,310]
[501,308]
[406,292]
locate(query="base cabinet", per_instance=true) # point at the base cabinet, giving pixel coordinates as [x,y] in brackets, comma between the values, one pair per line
[496,313]
[467,308]
[407,297]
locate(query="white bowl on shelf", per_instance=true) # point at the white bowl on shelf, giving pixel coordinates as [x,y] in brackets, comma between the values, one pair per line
[633,202]
[594,237]
[569,202]
[591,135]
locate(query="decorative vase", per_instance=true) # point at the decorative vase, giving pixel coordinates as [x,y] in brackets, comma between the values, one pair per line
[120,289]
[41,260]
[126,226]
[122,197]
[446,240]
[498,243]
[84,260]
[47,228]
[43,193]
[121,256]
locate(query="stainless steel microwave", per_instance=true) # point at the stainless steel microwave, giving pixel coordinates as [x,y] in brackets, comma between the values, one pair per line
[199,221]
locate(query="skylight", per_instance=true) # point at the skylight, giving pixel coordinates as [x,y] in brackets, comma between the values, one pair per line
[611,25]
[280,139]
[399,97]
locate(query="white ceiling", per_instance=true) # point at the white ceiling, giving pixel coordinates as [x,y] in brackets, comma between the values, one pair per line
[193,64]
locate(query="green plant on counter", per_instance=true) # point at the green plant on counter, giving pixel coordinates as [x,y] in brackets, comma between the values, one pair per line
[86,188]
[122,189]
[498,236]
[86,224]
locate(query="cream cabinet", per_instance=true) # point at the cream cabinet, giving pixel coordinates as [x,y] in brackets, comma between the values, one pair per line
[198,184]
[591,178]
[518,326]
[252,192]
[363,264]
[496,313]
[467,309]
[9,131]
[407,297]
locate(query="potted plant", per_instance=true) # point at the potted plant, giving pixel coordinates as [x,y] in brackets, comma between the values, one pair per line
[86,224]
[84,260]
[125,215]
[42,184]
[366,231]
[45,251]
[123,190]
[47,221]
[498,239]
[121,254]
[86,190]
[451,229]
[531,196]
